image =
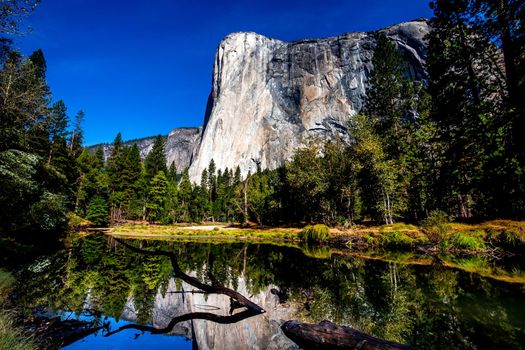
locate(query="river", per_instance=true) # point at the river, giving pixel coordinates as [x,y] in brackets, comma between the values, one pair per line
[417,301]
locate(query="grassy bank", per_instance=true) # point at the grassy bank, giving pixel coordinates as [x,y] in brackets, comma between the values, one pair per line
[491,237]
[12,337]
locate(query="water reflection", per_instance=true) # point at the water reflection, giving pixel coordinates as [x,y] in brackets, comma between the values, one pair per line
[429,306]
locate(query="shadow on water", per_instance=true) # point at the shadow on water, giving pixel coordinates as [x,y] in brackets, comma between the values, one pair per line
[148,287]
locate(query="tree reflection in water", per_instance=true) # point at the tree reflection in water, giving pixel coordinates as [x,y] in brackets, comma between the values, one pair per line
[428,306]
[237,300]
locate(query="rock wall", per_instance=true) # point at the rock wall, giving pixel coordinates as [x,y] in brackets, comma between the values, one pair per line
[270,97]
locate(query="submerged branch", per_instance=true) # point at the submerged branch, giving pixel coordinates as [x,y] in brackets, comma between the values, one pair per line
[186,317]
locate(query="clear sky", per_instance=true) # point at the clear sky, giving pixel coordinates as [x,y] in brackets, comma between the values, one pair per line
[144,67]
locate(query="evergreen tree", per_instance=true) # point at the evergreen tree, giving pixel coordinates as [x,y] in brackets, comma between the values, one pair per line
[97,211]
[158,192]
[172,172]
[185,195]
[156,159]
[465,100]
[38,60]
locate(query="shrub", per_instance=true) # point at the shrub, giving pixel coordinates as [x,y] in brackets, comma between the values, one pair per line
[315,233]
[437,225]
[509,240]
[472,241]
[396,239]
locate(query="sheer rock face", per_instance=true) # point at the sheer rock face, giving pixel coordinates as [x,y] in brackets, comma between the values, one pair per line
[270,97]
[180,145]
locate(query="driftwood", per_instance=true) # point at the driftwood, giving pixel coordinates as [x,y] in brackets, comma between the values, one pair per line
[327,335]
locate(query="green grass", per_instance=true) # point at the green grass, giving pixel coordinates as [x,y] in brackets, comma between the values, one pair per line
[397,239]
[315,233]
[469,241]
[224,232]
[12,337]
[398,226]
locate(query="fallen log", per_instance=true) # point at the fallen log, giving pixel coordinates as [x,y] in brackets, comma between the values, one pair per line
[327,335]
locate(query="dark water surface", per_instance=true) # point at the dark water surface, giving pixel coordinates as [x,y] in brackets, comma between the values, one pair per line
[425,304]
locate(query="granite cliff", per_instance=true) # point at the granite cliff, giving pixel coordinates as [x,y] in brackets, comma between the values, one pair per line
[270,97]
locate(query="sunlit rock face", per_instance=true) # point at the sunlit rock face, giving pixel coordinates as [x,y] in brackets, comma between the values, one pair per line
[270,97]
[257,332]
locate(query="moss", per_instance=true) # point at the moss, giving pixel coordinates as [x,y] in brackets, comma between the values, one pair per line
[315,233]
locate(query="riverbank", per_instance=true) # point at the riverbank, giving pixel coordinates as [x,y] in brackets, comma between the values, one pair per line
[495,238]
[12,335]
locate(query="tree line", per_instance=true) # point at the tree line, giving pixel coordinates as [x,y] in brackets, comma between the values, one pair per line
[451,143]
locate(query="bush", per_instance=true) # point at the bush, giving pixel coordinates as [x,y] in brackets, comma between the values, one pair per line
[50,212]
[315,233]
[467,241]
[396,239]
[437,225]
[508,240]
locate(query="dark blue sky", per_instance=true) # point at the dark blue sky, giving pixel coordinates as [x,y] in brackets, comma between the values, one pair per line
[144,67]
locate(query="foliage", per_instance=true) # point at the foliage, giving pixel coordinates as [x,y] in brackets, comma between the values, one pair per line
[470,241]
[396,239]
[97,211]
[11,335]
[436,224]
[315,233]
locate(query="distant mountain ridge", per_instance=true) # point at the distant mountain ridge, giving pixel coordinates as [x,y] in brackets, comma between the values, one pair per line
[180,145]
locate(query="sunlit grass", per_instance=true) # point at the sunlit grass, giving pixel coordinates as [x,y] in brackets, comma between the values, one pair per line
[215,232]
[315,233]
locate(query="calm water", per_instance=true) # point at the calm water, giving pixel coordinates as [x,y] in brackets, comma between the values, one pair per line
[425,304]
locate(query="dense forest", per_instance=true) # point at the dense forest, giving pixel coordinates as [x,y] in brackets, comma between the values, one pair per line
[452,145]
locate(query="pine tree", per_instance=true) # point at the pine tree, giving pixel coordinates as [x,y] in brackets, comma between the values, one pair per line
[38,60]
[172,172]
[97,211]
[158,192]
[465,100]
[185,194]
[156,159]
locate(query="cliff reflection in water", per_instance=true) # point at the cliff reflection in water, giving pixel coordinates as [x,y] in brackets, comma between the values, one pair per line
[426,306]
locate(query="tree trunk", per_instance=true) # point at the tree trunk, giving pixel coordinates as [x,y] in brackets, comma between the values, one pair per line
[245,209]
[327,335]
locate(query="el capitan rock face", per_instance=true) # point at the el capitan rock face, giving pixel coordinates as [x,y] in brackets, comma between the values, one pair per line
[270,97]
